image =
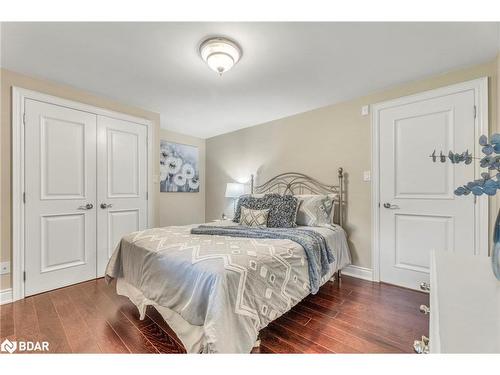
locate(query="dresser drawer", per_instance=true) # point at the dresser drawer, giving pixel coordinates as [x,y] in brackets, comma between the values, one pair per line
[464,305]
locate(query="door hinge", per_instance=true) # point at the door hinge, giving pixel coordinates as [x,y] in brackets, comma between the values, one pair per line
[147,195]
[24,275]
[24,118]
[24,197]
[475,111]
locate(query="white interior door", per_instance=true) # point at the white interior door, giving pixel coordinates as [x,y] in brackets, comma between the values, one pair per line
[418,210]
[122,183]
[60,175]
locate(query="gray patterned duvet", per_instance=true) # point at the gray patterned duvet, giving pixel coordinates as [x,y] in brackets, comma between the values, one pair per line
[216,292]
[318,253]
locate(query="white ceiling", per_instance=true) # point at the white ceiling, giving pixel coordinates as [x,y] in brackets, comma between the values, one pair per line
[286,68]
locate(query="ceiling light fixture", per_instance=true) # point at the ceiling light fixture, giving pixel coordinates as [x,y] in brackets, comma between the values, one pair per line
[220,54]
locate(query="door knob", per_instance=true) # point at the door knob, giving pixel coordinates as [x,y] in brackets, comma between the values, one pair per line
[391,206]
[88,206]
[105,205]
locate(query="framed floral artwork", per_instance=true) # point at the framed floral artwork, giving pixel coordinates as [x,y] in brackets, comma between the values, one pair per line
[179,168]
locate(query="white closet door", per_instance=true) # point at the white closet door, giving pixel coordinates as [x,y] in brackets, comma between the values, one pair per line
[122,183]
[60,164]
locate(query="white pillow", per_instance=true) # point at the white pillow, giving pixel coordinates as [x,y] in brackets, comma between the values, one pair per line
[254,218]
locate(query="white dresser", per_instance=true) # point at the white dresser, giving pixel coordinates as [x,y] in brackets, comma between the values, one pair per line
[464,305]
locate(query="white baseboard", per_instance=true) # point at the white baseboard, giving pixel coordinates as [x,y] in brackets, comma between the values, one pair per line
[5,296]
[359,272]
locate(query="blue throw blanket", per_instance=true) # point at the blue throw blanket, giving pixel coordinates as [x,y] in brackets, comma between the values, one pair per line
[319,254]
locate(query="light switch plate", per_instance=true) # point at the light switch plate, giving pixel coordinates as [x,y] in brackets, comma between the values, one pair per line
[4,268]
[365,110]
[367,176]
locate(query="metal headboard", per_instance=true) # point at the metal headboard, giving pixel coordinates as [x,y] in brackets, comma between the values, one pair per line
[298,183]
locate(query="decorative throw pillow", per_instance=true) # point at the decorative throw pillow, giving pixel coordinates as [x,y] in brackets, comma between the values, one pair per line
[315,210]
[254,218]
[246,200]
[282,209]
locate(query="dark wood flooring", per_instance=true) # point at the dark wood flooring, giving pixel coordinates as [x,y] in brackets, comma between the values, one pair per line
[354,316]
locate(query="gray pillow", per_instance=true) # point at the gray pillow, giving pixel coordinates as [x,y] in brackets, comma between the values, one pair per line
[315,210]
[282,209]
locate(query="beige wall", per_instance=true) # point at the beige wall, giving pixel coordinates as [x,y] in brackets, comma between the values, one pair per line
[9,79]
[317,143]
[184,208]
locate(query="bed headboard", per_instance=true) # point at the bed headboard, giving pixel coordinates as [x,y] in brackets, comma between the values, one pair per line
[298,183]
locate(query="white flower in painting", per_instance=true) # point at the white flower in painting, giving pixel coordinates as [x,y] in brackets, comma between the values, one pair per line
[188,171]
[173,164]
[163,173]
[166,149]
[165,152]
[180,179]
[194,183]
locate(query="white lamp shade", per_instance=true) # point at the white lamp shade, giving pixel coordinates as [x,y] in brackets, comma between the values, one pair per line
[234,190]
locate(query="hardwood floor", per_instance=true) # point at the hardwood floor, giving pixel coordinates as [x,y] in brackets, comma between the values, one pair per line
[354,316]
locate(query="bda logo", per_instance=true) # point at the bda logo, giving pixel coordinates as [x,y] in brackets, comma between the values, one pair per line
[8,346]
[24,346]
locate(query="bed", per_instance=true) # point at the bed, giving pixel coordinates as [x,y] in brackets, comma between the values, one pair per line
[218,291]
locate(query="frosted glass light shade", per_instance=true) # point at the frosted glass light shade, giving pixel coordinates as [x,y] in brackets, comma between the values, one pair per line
[220,54]
[220,62]
[234,190]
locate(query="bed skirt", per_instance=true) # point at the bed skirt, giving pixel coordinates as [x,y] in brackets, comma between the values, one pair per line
[191,336]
